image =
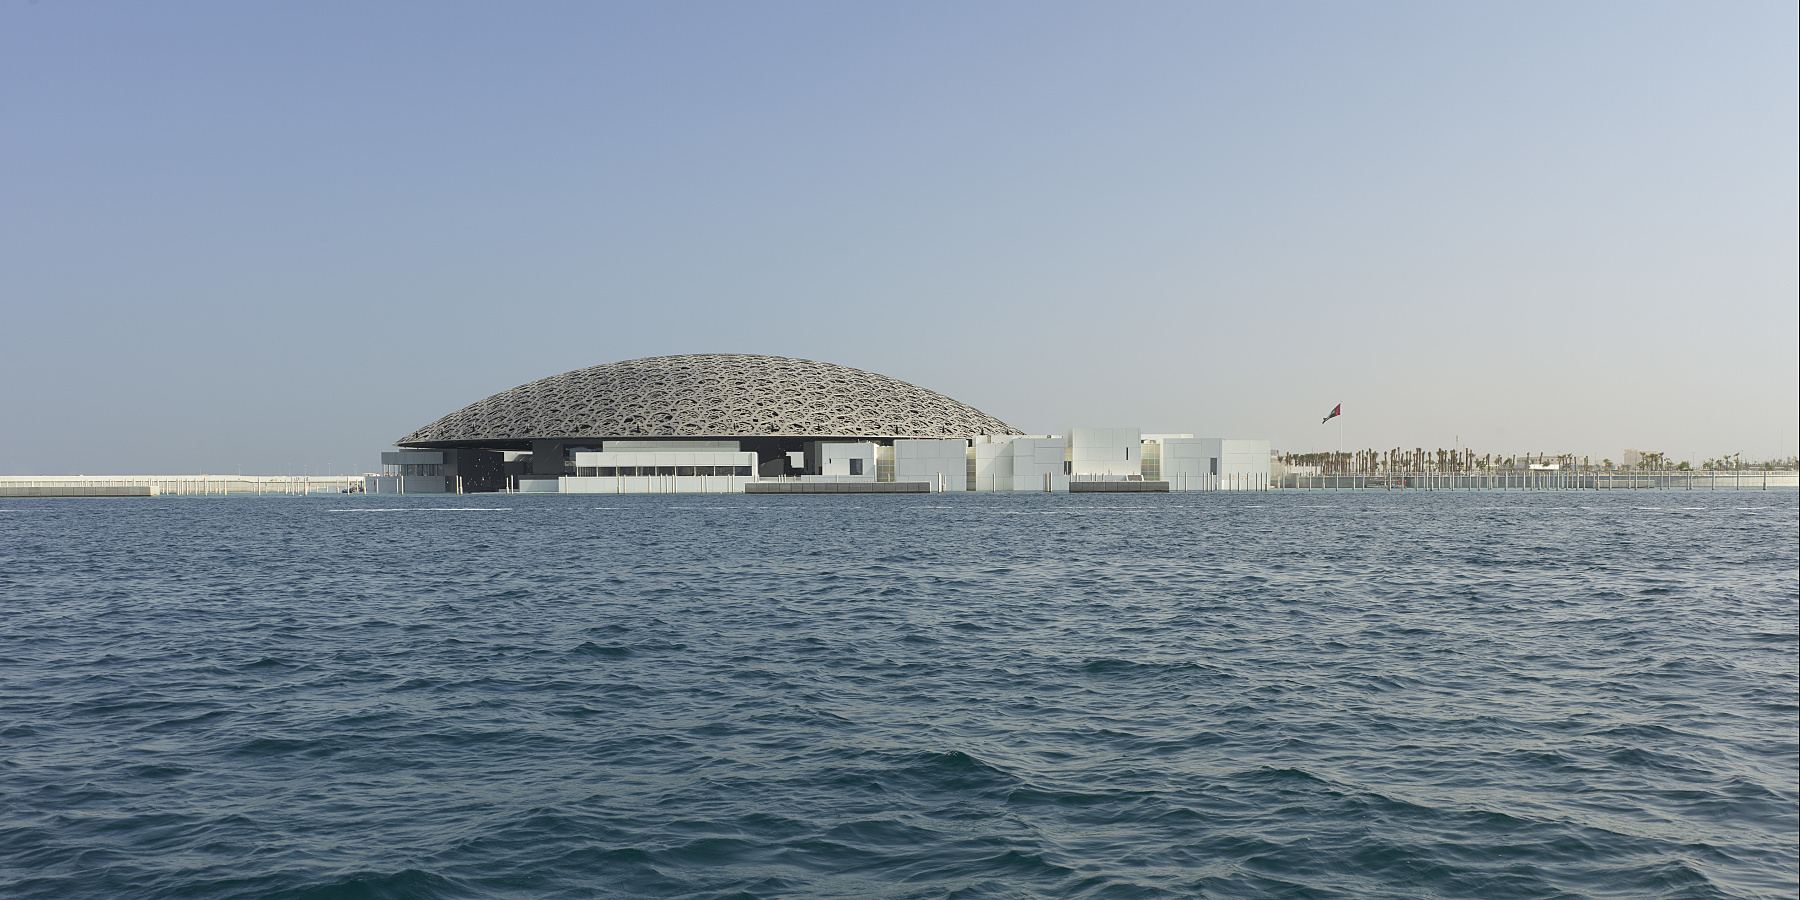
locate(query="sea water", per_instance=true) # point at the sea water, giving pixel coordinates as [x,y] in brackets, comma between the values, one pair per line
[1282,694]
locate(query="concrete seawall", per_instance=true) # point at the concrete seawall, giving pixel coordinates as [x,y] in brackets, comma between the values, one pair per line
[1118,487]
[78,490]
[829,487]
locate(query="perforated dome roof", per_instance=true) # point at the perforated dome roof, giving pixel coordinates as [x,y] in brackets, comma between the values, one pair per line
[711,395]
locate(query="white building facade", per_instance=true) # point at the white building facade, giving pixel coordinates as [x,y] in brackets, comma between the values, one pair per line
[984,463]
[713,422]
[710,468]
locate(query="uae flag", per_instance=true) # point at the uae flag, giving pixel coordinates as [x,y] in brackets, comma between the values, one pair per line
[1336,411]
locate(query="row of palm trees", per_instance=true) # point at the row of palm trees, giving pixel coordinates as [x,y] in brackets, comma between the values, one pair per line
[1735,462]
[1417,460]
[1421,461]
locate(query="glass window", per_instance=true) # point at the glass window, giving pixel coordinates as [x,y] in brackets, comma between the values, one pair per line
[665,470]
[1214,462]
[741,470]
[628,470]
[684,470]
[856,467]
[608,471]
[703,470]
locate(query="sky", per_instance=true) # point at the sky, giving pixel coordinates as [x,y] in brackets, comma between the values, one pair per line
[274,238]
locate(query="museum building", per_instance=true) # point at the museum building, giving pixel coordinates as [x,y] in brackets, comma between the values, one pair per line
[707,423]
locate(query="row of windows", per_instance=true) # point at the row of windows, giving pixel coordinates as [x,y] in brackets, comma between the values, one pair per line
[611,471]
[411,469]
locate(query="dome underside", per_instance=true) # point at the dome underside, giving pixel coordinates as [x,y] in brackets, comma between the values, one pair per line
[715,396]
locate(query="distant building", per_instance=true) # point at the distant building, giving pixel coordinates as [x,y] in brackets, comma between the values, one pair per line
[713,422]
[1632,459]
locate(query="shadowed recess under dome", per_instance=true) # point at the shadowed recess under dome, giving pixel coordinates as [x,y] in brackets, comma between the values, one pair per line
[712,395]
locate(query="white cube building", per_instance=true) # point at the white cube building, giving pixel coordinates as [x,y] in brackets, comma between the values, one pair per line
[1105,454]
[942,464]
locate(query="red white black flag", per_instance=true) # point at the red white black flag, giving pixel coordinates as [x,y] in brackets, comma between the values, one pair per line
[1336,411]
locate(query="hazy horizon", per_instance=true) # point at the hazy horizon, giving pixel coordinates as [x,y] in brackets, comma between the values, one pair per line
[280,238]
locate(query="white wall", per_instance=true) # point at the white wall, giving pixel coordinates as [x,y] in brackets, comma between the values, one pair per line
[1244,457]
[993,464]
[654,484]
[1243,464]
[1105,451]
[1192,457]
[1035,482]
[1210,464]
[1037,456]
[928,460]
[834,459]
[591,459]
[409,484]
[1005,463]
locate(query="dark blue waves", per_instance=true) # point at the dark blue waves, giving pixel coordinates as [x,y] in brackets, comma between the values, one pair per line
[1300,695]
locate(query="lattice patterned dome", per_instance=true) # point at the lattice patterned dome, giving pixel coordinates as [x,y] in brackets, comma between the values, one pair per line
[712,395]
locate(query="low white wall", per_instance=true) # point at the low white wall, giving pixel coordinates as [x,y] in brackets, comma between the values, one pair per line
[1236,481]
[409,484]
[1022,483]
[588,459]
[656,484]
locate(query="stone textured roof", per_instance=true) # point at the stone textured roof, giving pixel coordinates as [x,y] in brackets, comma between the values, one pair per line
[712,395]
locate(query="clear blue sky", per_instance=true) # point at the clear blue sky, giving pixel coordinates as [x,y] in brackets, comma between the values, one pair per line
[279,236]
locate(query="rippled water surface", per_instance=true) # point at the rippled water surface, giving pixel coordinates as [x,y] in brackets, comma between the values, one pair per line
[1290,694]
